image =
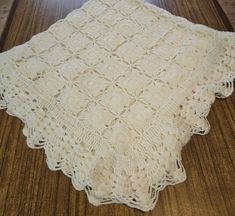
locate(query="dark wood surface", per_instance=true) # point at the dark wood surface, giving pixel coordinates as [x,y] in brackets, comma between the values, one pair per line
[5,9]
[28,187]
[229,8]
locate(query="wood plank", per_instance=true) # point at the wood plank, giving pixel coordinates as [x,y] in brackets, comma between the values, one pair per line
[5,9]
[229,8]
[28,187]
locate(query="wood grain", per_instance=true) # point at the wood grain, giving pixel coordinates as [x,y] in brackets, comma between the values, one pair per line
[5,11]
[229,8]
[28,187]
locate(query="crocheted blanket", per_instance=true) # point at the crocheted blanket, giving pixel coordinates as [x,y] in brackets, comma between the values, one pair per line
[114,91]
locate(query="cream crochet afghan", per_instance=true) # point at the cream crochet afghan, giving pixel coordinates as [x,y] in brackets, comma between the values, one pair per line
[114,91]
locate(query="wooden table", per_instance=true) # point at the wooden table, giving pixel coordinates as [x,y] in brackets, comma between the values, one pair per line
[28,187]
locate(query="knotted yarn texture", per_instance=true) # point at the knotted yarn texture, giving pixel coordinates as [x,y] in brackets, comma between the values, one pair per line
[113,92]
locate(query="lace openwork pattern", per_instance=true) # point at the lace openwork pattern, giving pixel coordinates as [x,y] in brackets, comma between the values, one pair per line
[114,91]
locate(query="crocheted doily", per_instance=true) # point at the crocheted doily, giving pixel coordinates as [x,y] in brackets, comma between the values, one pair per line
[114,91]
